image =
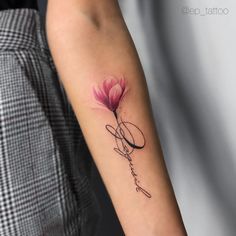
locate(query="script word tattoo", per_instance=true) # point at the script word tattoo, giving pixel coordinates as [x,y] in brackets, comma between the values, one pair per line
[110,94]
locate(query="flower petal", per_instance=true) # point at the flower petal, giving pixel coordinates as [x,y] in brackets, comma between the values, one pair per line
[108,84]
[114,96]
[122,83]
[101,97]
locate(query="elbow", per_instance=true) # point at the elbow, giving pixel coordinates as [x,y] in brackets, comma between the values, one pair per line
[90,14]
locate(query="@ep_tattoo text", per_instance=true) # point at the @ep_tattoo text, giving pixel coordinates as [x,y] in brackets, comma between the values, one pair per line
[110,94]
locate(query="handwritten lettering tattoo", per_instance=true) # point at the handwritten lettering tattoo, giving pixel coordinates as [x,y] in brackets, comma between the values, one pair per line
[128,137]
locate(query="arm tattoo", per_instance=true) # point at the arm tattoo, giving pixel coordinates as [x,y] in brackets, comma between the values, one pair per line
[128,137]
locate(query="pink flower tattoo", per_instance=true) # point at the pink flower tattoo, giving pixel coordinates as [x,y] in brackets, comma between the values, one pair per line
[110,94]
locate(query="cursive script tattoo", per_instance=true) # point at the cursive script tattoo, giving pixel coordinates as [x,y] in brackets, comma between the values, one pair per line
[128,137]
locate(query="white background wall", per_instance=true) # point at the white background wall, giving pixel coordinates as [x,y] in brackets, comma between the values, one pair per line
[188,56]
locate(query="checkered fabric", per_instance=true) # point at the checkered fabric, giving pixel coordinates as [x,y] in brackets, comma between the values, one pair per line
[44,161]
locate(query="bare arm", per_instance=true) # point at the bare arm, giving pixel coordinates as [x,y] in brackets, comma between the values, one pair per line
[102,75]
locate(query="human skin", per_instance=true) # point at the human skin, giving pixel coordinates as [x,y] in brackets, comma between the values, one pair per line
[100,70]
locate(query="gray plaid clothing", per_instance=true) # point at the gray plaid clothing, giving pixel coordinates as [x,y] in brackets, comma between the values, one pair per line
[44,161]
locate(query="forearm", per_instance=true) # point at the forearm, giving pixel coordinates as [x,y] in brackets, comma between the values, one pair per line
[90,44]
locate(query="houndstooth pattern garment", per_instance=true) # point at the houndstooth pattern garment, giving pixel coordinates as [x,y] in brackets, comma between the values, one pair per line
[44,161]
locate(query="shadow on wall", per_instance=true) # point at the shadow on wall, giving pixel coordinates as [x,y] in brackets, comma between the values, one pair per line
[178,54]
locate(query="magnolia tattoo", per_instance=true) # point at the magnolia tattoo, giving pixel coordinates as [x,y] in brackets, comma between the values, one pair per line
[128,137]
